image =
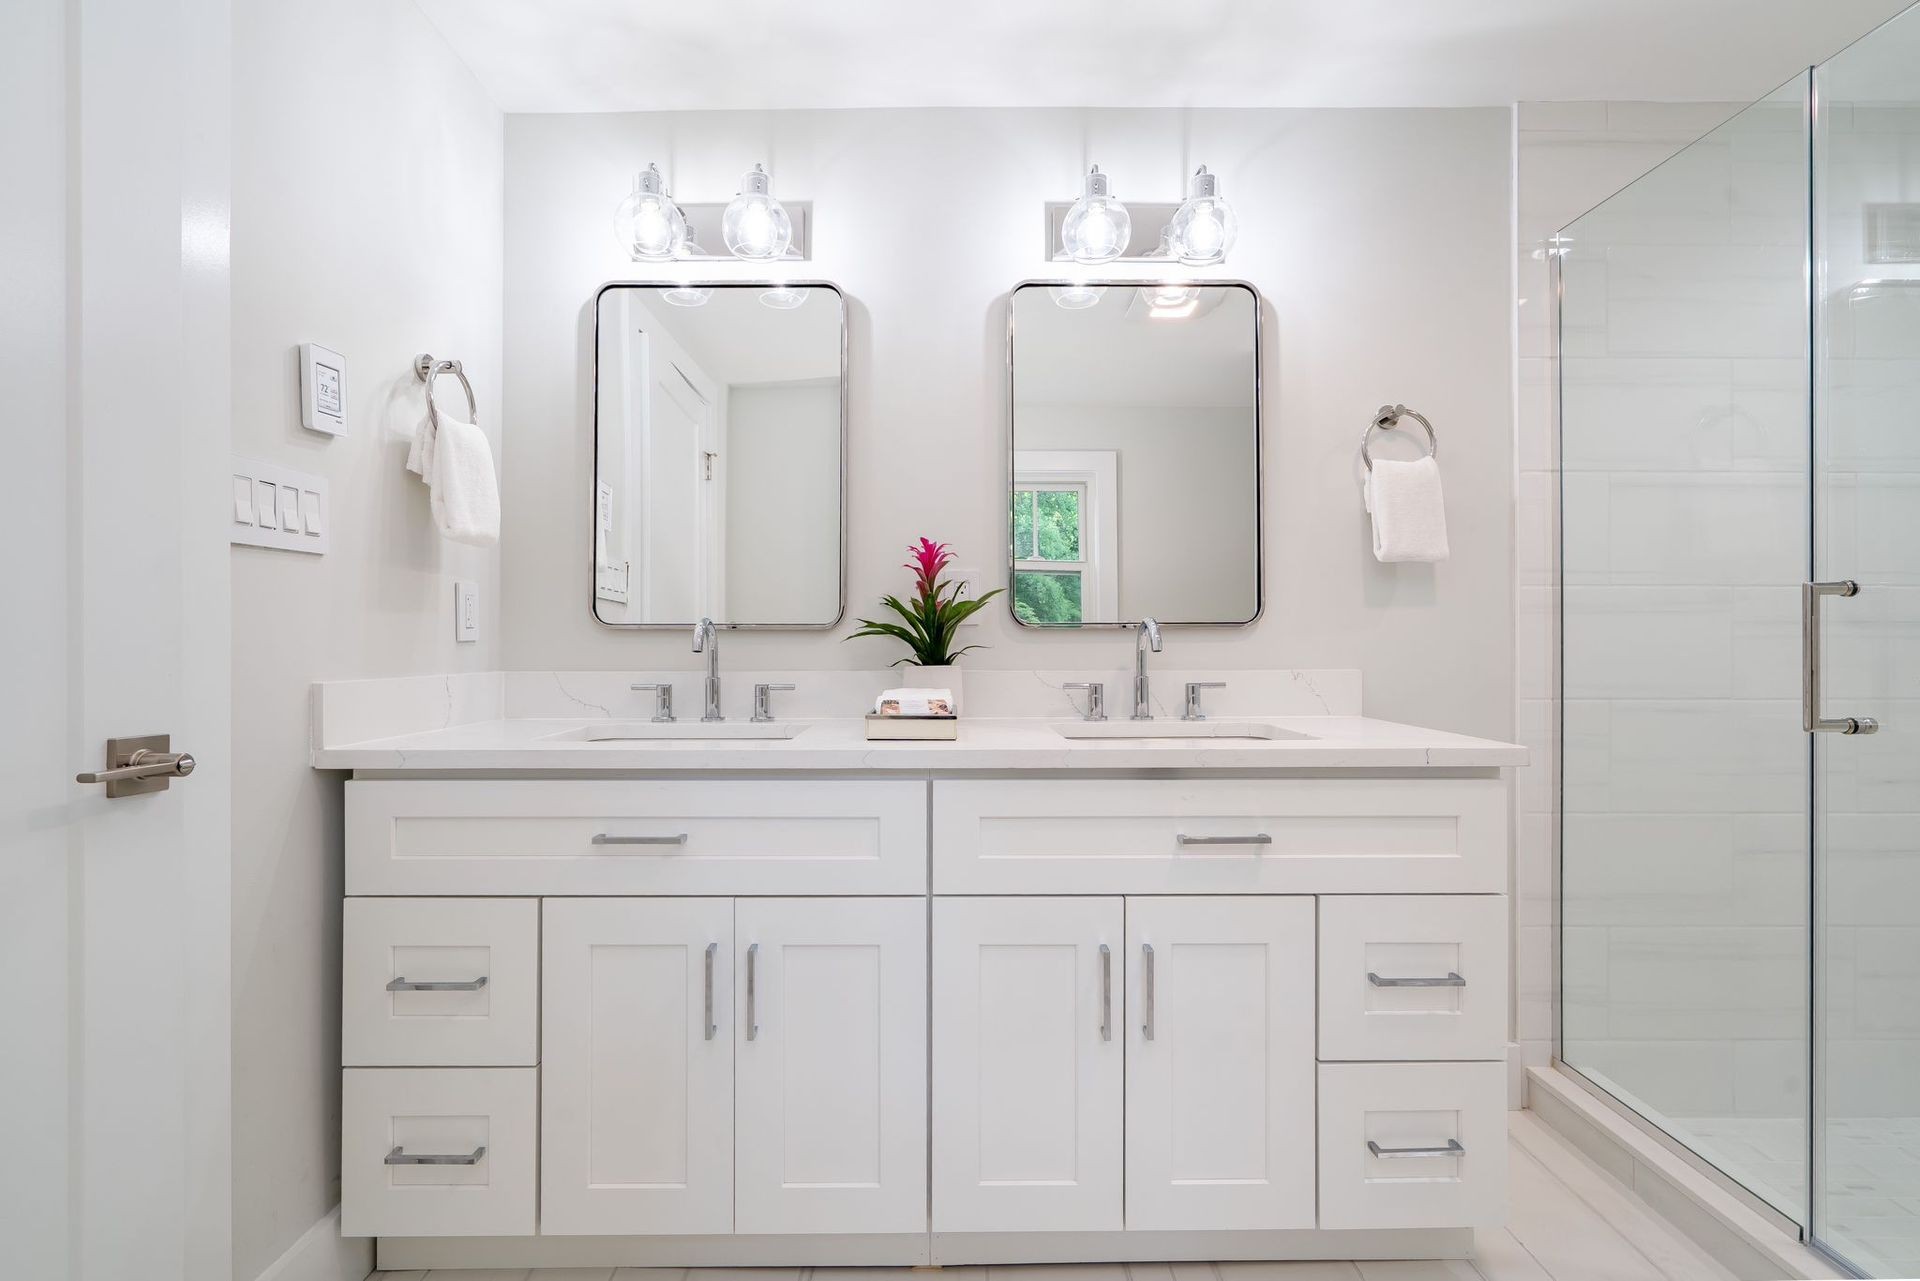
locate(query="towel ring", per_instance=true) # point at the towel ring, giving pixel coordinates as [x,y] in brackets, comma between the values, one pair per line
[1388,418]
[426,368]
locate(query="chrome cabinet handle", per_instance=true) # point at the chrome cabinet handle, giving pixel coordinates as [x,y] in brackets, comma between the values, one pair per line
[1258,838]
[1810,718]
[399,1157]
[1452,1148]
[1146,996]
[711,1028]
[605,838]
[457,985]
[753,1016]
[1451,980]
[1106,992]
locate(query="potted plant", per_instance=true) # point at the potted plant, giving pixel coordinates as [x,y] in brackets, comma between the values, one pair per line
[929,620]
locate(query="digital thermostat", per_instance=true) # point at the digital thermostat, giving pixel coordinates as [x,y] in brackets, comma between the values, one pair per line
[323,390]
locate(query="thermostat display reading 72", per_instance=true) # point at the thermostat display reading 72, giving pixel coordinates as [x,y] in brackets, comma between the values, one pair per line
[323,390]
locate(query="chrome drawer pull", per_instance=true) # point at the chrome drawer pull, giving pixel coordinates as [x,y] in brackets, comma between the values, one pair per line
[1451,980]
[1258,838]
[398,1157]
[1452,1148]
[603,838]
[1146,965]
[711,1029]
[753,1015]
[1106,992]
[418,985]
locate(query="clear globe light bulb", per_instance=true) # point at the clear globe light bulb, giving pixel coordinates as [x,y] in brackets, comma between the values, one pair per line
[1076,297]
[647,223]
[755,225]
[1204,229]
[784,297]
[1097,228]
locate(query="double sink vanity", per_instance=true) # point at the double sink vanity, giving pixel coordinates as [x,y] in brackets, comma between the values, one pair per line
[652,967]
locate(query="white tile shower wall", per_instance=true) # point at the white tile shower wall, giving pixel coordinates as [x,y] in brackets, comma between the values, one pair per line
[366,216]
[1568,157]
[1369,300]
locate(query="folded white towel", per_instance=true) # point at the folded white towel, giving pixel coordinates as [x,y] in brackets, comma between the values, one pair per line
[1409,514]
[457,465]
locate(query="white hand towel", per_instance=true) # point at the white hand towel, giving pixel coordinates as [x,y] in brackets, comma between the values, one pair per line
[459,468]
[1409,515]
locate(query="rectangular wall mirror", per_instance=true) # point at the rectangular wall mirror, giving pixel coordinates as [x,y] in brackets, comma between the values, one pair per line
[1135,469]
[719,459]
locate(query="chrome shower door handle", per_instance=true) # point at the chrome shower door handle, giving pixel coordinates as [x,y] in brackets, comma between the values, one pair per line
[711,1026]
[1811,718]
[753,1015]
[1146,991]
[1106,992]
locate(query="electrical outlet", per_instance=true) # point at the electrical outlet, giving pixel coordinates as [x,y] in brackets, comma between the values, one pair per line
[466,610]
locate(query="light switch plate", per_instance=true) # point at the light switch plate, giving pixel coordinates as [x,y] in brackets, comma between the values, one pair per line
[466,610]
[288,510]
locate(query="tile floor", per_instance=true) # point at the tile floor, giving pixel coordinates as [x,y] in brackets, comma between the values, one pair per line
[1568,1222]
[1871,1200]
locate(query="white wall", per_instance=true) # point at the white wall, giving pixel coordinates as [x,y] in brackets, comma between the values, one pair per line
[783,524]
[366,216]
[1380,240]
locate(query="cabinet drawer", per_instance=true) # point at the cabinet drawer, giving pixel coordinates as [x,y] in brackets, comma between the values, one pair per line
[1413,977]
[440,982]
[1413,1145]
[437,1152]
[1219,836]
[567,837]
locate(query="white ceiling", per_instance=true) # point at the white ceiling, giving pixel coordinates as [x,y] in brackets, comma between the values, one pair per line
[649,55]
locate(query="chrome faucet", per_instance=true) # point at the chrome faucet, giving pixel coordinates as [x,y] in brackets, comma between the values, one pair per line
[707,641]
[1149,635]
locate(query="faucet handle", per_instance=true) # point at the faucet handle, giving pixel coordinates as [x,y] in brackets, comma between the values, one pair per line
[662,701]
[763,702]
[1096,698]
[1193,712]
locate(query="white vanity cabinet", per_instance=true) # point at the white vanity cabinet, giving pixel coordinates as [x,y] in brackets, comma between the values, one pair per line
[831,1019]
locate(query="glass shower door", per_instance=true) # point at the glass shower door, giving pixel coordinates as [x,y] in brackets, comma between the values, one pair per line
[1866,501]
[1685,369]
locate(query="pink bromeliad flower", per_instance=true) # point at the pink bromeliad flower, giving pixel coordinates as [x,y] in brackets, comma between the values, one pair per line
[930,559]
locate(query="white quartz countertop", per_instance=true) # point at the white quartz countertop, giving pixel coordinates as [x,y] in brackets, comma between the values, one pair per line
[984,744]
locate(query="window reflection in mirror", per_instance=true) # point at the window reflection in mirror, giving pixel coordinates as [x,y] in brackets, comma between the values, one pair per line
[718,440]
[1135,471]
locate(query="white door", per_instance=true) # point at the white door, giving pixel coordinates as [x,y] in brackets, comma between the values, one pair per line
[1028,1061]
[830,1078]
[114,375]
[1220,1063]
[636,1094]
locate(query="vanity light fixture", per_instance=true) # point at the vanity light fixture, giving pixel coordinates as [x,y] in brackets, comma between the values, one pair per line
[784,297]
[647,223]
[685,295]
[1205,227]
[755,226]
[1076,297]
[1098,228]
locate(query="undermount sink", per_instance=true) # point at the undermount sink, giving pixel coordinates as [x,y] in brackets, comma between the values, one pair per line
[1147,731]
[650,731]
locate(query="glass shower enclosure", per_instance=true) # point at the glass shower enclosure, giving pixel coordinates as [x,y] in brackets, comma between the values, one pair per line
[1739,891]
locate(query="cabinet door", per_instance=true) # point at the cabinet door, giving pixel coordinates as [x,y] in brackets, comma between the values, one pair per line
[637,1080]
[1220,1066]
[1027,1064]
[831,1066]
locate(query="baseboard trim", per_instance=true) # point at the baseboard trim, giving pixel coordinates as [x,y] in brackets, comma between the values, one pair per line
[322,1254]
[1746,1242]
